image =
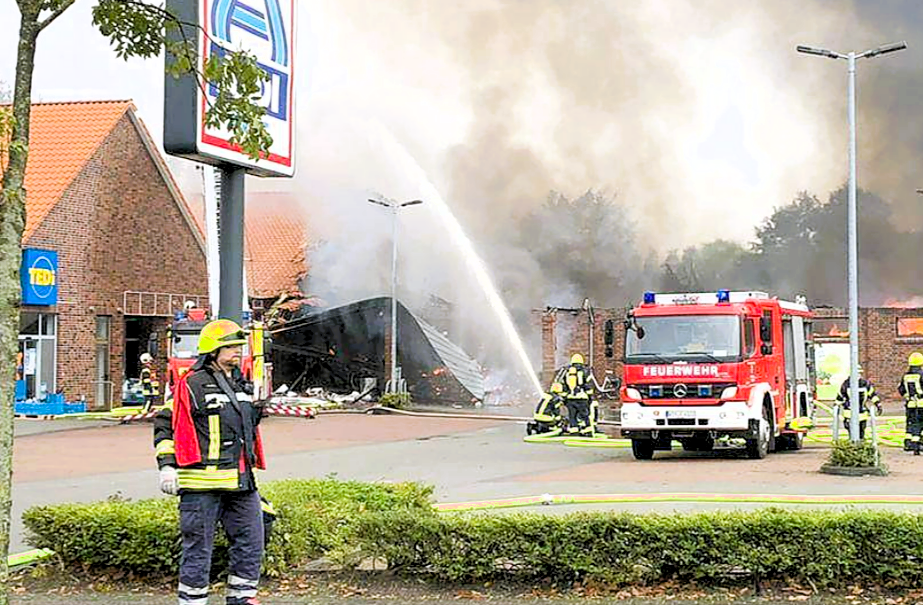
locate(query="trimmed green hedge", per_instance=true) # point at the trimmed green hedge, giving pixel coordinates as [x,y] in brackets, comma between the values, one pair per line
[396,522]
[314,519]
[827,548]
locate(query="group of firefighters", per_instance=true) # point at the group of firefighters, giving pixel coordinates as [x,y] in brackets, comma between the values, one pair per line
[570,407]
[911,391]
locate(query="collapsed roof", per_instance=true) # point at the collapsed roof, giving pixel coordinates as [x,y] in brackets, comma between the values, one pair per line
[339,348]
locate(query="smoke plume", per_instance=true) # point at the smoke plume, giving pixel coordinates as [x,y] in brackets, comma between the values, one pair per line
[692,119]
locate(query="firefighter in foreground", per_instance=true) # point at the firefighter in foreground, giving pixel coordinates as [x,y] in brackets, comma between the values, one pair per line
[578,397]
[208,446]
[150,385]
[546,420]
[867,397]
[912,392]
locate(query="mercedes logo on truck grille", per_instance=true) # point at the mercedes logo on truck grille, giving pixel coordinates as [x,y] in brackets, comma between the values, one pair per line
[680,390]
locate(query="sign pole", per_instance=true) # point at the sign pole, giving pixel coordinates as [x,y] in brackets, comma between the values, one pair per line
[231,242]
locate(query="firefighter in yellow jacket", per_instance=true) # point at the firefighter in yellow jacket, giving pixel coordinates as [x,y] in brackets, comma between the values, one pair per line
[868,397]
[546,420]
[911,390]
[150,385]
[208,445]
[578,397]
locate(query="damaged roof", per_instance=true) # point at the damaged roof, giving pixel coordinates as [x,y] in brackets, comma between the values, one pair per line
[340,347]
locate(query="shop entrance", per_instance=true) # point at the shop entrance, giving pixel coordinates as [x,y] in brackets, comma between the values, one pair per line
[138,331]
[36,370]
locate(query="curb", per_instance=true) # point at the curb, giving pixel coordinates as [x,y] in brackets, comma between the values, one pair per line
[854,471]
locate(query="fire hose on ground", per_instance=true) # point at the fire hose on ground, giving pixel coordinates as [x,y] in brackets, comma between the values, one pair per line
[561,499]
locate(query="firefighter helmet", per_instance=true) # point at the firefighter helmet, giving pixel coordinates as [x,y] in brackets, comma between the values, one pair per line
[146,358]
[220,333]
[557,387]
[916,359]
[577,358]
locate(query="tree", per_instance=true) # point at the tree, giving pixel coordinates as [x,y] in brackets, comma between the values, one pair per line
[705,268]
[135,29]
[585,247]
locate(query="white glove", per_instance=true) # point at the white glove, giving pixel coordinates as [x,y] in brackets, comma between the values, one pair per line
[169,483]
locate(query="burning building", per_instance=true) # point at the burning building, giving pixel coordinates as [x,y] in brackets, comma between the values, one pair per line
[344,348]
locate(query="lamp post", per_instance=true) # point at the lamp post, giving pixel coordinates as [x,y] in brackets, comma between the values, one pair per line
[852,265]
[395,208]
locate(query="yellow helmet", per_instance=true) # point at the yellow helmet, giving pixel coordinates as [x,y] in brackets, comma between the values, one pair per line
[916,359]
[576,358]
[557,387]
[220,333]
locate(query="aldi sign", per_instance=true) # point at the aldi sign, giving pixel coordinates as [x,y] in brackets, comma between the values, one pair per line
[38,276]
[265,28]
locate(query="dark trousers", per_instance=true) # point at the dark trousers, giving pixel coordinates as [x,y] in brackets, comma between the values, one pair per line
[241,517]
[914,417]
[578,415]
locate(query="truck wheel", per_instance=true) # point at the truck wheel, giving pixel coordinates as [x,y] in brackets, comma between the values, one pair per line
[758,447]
[643,449]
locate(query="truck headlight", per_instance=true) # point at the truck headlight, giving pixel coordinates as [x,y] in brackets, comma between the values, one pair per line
[633,393]
[729,392]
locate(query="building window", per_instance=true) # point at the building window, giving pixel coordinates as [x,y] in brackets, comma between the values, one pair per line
[36,370]
[910,327]
[103,382]
[831,327]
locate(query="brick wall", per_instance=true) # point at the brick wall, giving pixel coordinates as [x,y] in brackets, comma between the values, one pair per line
[882,354]
[116,228]
[567,331]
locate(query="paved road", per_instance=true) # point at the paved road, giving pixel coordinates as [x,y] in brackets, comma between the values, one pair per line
[466,459]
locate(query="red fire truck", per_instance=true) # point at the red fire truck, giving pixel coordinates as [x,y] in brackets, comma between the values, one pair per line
[705,367]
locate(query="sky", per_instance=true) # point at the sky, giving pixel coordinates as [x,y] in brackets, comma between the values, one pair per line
[695,111]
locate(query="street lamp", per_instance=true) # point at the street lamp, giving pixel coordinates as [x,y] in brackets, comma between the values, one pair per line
[852,266]
[395,207]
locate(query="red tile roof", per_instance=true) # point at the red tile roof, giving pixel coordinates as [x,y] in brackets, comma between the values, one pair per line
[276,232]
[62,139]
[276,235]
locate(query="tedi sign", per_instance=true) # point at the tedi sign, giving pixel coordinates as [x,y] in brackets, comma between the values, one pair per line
[38,277]
[265,28]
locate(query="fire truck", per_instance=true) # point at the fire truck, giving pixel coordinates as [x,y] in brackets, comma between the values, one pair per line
[719,367]
[182,351]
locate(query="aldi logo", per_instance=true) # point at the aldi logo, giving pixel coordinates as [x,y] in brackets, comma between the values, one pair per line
[265,28]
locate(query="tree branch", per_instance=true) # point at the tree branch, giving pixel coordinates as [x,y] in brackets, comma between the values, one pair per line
[66,4]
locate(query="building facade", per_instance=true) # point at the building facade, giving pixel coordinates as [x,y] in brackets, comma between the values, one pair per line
[101,201]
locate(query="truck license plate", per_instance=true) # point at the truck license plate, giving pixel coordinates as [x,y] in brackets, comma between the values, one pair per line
[680,413]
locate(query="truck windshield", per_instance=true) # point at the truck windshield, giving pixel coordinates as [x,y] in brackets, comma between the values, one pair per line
[671,338]
[185,345]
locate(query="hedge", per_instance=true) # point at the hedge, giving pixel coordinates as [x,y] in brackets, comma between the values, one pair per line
[827,548]
[351,521]
[142,537]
